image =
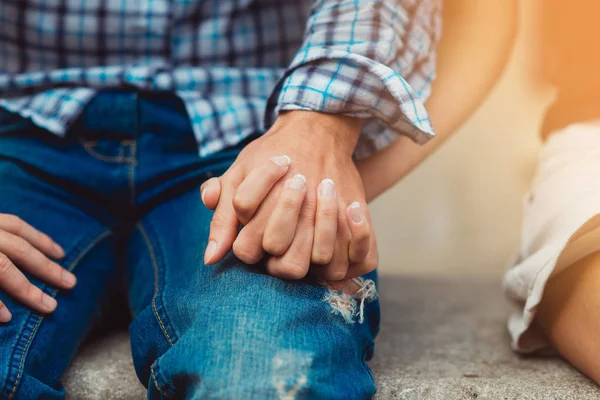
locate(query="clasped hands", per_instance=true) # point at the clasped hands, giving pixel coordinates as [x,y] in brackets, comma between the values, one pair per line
[300,199]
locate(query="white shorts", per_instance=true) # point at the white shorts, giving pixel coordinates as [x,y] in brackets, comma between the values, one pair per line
[565,194]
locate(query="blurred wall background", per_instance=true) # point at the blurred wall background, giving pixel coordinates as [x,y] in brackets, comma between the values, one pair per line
[460,211]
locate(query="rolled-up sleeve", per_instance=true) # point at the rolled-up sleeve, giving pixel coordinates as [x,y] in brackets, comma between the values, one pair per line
[371,59]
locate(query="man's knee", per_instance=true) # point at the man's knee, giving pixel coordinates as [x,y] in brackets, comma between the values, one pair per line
[255,364]
[281,342]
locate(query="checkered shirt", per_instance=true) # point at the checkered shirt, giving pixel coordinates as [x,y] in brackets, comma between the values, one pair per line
[235,63]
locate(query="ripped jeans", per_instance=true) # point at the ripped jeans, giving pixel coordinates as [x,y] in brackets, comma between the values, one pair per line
[120,193]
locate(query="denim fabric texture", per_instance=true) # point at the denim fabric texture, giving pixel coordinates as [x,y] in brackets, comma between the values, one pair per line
[120,193]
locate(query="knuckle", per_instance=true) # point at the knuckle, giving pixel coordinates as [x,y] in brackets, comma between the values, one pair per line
[329,212]
[241,205]
[21,248]
[372,263]
[33,292]
[12,222]
[246,253]
[334,273]
[368,265]
[361,236]
[274,245]
[289,269]
[5,264]
[289,203]
[51,267]
[321,256]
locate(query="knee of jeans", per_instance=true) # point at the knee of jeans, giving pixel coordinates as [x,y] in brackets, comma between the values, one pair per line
[313,355]
[251,335]
[284,373]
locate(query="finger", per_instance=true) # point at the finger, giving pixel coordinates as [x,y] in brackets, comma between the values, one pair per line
[43,242]
[210,191]
[248,244]
[368,264]
[257,185]
[5,314]
[337,268]
[360,231]
[223,228]
[281,227]
[15,284]
[326,223]
[32,260]
[294,264]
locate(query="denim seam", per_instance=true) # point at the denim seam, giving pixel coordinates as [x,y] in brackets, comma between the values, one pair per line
[22,357]
[72,266]
[155,380]
[89,148]
[156,284]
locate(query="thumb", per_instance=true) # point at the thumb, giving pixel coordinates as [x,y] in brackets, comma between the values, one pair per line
[223,228]
[210,192]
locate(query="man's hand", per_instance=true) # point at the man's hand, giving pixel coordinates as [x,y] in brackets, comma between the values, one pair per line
[320,147]
[22,245]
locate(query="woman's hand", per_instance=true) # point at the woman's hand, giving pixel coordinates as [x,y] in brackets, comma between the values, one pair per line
[281,218]
[281,225]
[24,247]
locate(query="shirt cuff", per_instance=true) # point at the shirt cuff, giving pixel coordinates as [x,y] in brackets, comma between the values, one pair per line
[338,82]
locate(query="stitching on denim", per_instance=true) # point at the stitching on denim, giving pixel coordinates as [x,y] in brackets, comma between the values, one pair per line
[75,261]
[89,148]
[156,288]
[22,358]
[87,248]
[155,380]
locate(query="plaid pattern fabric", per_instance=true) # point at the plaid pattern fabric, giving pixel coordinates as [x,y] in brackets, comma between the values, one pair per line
[234,63]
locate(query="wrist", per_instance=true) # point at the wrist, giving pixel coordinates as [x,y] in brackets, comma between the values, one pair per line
[339,131]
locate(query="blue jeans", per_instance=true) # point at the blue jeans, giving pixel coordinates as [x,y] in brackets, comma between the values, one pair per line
[120,194]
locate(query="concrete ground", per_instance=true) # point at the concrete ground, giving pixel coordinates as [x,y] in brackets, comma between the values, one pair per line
[441,339]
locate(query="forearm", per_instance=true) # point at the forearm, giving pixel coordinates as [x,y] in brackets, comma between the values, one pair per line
[475,46]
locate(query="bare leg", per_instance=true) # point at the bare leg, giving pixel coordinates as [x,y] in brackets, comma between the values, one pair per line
[569,314]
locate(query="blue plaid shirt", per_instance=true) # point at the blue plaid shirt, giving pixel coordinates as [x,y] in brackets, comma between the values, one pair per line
[234,63]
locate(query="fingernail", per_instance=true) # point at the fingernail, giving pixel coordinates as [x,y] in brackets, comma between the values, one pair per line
[203,194]
[326,188]
[58,251]
[211,249]
[282,161]
[355,212]
[297,182]
[5,315]
[49,302]
[68,278]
